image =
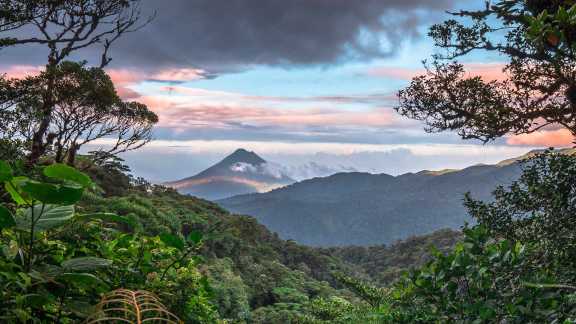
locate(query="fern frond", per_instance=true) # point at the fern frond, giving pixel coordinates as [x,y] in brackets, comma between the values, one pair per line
[128,306]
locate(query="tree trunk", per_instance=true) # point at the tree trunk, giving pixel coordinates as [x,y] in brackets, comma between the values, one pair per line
[72,154]
[38,146]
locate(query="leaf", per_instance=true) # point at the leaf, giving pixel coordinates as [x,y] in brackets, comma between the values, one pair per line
[195,237]
[13,188]
[172,241]
[5,171]
[79,308]
[67,173]
[86,264]
[130,306]
[47,217]
[81,280]
[52,194]
[36,300]
[6,218]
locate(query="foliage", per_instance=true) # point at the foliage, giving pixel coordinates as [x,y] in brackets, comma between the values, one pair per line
[538,89]
[382,265]
[514,266]
[131,306]
[538,208]
[63,27]
[84,108]
[57,257]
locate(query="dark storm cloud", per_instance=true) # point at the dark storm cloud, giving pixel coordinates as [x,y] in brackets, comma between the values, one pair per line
[234,34]
[229,33]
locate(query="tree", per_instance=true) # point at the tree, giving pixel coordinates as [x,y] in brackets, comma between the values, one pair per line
[538,38]
[538,208]
[85,108]
[64,26]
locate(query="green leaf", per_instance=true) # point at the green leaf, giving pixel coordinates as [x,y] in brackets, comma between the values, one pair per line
[5,171]
[47,217]
[37,300]
[13,188]
[53,194]
[86,264]
[6,218]
[81,280]
[80,308]
[67,173]
[172,241]
[195,237]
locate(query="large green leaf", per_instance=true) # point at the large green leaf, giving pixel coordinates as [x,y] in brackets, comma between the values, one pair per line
[172,241]
[5,171]
[86,264]
[79,307]
[46,216]
[38,300]
[81,280]
[6,218]
[67,173]
[53,194]
[13,187]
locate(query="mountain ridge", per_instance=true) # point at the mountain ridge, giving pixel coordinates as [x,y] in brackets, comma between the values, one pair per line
[361,208]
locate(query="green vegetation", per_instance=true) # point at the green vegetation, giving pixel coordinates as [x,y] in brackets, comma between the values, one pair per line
[515,266]
[201,262]
[59,255]
[75,243]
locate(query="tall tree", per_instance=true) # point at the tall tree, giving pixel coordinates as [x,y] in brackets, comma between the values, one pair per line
[64,26]
[85,108]
[539,40]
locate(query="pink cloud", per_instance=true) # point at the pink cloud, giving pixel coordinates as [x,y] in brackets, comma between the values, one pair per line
[182,115]
[395,73]
[132,76]
[549,138]
[178,75]
[487,71]
[123,78]
[22,71]
[197,93]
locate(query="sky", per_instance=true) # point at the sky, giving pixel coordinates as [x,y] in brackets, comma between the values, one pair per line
[308,84]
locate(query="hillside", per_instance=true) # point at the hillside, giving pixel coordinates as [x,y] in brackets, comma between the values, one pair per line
[368,209]
[241,172]
[254,274]
[385,264]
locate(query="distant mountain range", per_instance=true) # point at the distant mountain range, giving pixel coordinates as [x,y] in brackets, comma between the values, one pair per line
[241,172]
[367,209]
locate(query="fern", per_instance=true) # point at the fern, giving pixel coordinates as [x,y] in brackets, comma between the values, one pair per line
[128,306]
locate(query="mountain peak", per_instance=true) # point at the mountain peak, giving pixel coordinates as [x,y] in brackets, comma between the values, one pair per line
[241,172]
[242,156]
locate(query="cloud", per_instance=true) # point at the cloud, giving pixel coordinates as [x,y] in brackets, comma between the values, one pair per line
[177,115]
[334,99]
[123,79]
[487,71]
[549,138]
[164,160]
[232,35]
[21,71]
[267,169]
[313,169]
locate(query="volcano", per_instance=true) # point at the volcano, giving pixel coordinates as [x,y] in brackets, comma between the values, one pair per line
[241,172]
